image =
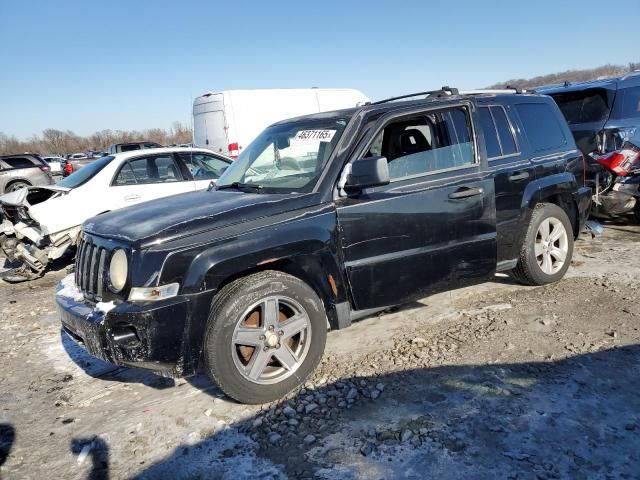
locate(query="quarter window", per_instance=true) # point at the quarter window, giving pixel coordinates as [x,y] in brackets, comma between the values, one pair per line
[541,124]
[156,169]
[498,132]
[426,143]
[19,162]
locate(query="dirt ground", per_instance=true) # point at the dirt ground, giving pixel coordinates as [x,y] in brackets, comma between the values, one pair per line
[493,381]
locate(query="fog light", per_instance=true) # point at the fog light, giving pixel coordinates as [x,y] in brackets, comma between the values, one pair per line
[151,294]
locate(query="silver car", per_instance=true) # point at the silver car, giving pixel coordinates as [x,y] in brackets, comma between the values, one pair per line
[19,171]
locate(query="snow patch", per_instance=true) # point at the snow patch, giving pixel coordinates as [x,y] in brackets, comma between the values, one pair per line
[105,307]
[69,289]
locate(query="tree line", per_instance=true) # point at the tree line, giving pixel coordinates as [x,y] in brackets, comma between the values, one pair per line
[61,142]
[572,76]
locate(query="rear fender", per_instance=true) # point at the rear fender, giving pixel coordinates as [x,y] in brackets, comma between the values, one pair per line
[559,188]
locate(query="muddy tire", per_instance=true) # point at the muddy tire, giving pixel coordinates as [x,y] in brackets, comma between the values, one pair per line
[265,335]
[636,210]
[16,186]
[547,249]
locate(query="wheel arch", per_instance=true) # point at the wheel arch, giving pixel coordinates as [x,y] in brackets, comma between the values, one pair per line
[557,189]
[13,181]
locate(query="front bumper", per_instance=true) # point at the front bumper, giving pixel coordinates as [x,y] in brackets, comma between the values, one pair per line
[150,336]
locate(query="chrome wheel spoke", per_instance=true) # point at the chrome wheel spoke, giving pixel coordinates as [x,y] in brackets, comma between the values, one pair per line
[270,312]
[286,357]
[547,264]
[556,233]
[539,249]
[559,254]
[258,363]
[293,326]
[543,230]
[249,336]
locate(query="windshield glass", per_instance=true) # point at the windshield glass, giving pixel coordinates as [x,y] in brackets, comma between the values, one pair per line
[288,157]
[84,174]
[584,106]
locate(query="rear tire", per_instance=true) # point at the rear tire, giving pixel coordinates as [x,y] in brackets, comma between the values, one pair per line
[547,249]
[265,335]
[16,186]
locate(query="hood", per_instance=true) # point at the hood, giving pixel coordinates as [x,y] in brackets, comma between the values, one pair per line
[189,213]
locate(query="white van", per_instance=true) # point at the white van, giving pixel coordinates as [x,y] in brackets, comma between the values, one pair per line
[226,122]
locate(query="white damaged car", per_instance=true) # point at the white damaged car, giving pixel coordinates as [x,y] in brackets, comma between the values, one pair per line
[41,224]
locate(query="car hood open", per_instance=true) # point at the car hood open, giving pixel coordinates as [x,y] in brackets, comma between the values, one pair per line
[177,216]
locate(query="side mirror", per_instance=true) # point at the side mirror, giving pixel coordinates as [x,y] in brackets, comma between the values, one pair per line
[368,172]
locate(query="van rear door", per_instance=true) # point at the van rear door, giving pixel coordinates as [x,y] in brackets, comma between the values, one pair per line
[209,123]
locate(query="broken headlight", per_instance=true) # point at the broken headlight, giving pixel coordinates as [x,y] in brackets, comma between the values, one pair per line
[118,270]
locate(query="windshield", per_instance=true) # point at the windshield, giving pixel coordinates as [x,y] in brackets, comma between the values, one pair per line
[286,158]
[584,106]
[84,174]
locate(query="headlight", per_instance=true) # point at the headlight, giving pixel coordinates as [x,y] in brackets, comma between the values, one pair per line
[118,270]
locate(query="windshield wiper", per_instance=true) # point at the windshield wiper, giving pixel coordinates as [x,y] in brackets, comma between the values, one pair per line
[239,186]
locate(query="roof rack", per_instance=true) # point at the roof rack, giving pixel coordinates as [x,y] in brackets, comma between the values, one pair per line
[444,91]
[447,91]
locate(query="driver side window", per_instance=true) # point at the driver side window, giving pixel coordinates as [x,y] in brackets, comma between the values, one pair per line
[425,143]
[203,166]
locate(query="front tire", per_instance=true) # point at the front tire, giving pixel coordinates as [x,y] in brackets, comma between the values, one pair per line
[265,335]
[547,249]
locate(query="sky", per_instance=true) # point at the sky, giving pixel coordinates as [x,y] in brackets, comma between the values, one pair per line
[123,64]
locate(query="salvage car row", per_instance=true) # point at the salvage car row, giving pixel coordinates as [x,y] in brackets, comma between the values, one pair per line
[321,219]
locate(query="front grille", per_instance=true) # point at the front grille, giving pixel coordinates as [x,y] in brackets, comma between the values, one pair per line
[90,268]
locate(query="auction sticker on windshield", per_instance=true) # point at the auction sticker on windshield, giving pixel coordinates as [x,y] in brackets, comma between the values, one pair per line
[314,135]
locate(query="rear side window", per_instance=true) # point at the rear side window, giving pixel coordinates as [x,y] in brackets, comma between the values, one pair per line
[19,162]
[541,126]
[158,169]
[629,103]
[498,132]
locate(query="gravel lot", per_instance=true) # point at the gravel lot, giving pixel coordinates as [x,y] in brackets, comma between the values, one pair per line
[492,381]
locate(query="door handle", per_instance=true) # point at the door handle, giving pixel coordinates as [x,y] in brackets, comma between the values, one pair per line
[519,176]
[466,192]
[130,198]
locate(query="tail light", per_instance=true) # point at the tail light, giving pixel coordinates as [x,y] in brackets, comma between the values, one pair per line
[44,168]
[234,150]
[621,162]
[68,168]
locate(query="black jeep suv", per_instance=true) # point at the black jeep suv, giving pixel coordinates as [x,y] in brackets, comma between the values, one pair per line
[321,218]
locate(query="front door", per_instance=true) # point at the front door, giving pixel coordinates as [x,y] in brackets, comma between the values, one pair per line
[433,227]
[147,178]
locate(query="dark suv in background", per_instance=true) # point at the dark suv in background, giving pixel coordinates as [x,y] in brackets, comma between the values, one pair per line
[19,171]
[602,114]
[321,220]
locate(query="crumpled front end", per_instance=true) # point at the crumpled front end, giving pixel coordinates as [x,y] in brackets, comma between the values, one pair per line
[25,240]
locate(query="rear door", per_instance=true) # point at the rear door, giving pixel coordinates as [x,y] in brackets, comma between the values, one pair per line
[146,178]
[210,123]
[512,171]
[433,227]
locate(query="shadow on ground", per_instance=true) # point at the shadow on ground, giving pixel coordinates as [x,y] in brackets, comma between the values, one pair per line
[573,418]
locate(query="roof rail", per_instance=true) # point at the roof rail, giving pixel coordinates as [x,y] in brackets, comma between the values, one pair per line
[447,91]
[444,91]
[498,91]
